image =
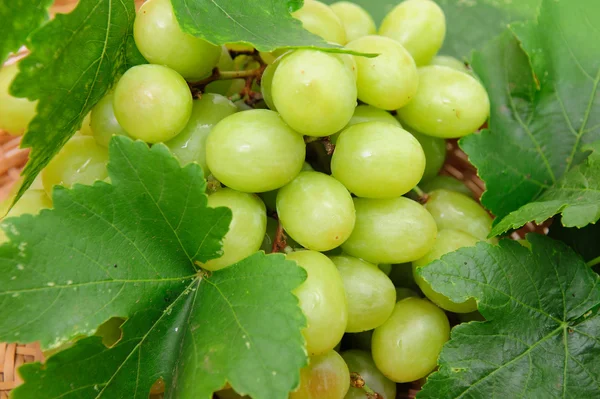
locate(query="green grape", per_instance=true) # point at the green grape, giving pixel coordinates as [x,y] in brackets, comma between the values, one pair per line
[319,19]
[386,268]
[362,363]
[394,230]
[152,103]
[31,202]
[270,197]
[254,151]
[447,241]
[367,113]
[161,41]
[267,244]
[190,145]
[350,63]
[377,160]
[402,293]
[86,125]
[325,377]
[370,293]
[316,210]
[419,25]
[16,112]
[223,86]
[322,300]
[81,161]
[452,210]
[315,92]
[103,122]
[388,81]
[435,154]
[406,347]
[356,20]
[446,183]
[246,230]
[266,81]
[448,104]
[450,62]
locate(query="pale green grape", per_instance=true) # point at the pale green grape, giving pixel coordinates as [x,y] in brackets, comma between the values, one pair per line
[246,230]
[419,25]
[316,211]
[81,161]
[103,122]
[319,19]
[325,377]
[406,347]
[152,103]
[161,41]
[322,300]
[394,230]
[452,210]
[388,81]
[223,86]
[270,56]
[446,183]
[447,241]
[371,294]
[86,125]
[362,363]
[266,81]
[367,113]
[254,151]
[15,112]
[450,62]
[434,149]
[356,20]
[31,202]
[267,244]
[386,268]
[402,292]
[190,145]
[448,104]
[377,160]
[350,63]
[314,92]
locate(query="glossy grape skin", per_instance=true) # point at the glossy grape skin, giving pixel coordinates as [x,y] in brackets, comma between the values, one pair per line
[448,104]
[319,19]
[103,122]
[406,347]
[152,103]
[325,377]
[314,92]
[322,300]
[370,293]
[246,230]
[356,20]
[394,230]
[419,25]
[450,62]
[316,211]
[266,82]
[361,362]
[254,151]
[367,113]
[161,41]
[225,63]
[447,241]
[452,210]
[446,183]
[434,149]
[81,160]
[388,81]
[190,145]
[15,112]
[377,160]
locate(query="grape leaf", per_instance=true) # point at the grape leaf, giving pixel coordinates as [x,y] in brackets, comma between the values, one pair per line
[576,195]
[539,121]
[19,18]
[541,337]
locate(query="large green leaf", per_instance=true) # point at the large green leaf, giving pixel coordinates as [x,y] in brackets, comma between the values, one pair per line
[541,337]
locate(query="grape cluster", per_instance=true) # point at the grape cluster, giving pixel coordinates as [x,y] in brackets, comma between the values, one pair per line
[348,215]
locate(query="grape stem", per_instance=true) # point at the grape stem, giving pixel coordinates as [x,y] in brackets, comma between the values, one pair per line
[423,197]
[279,243]
[227,75]
[594,262]
[357,381]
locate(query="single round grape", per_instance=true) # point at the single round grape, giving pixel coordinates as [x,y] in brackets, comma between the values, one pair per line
[452,210]
[361,362]
[314,92]
[31,202]
[81,160]
[394,230]
[254,151]
[356,20]
[402,292]
[450,62]
[446,183]
[223,86]
[190,145]
[406,347]
[267,244]
[322,300]
[152,103]
[15,112]
[161,41]
[325,377]
[448,104]
[367,113]
[370,293]
[316,211]
[266,82]
[447,241]
[434,149]
[419,25]
[103,122]
[377,160]
[319,19]
[246,230]
[388,81]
